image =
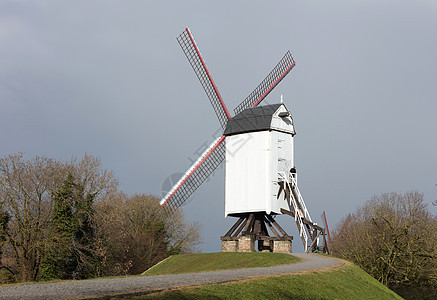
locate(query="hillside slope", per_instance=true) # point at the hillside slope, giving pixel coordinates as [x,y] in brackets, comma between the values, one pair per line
[202,262]
[341,282]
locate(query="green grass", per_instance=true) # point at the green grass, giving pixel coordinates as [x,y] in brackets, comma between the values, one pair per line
[201,262]
[346,282]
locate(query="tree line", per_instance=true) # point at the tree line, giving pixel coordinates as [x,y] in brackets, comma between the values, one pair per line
[69,220]
[393,237]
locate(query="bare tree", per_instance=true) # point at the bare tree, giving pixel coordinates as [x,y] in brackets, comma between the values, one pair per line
[25,192]
[393,238]
[136,233]
[92,177]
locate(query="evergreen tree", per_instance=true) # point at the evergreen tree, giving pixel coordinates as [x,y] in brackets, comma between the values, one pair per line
[6,274]
[84,234]
[4,220]
[60,261]
[72,254]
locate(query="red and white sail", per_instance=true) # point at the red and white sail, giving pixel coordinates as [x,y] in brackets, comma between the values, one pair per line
[192,52]
[268,84]
[204,166]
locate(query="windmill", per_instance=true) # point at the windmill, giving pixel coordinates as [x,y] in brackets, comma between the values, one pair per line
[261,180]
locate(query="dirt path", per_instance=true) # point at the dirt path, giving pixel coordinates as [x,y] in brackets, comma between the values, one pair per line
[104,288]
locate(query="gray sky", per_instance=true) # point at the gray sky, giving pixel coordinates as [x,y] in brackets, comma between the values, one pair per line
[108,78]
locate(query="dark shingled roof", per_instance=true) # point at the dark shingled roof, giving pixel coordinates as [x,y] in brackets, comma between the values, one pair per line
[251,119]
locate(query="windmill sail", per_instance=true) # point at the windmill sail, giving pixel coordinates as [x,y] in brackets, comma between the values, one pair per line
[204,166]
[192,52]
[266,86]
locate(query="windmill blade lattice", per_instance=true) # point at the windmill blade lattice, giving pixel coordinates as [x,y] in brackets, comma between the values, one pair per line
[204,166]
[266,86]
[192,52]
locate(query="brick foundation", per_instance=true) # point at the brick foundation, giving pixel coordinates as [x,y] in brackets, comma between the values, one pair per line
[246,243]
[282,246]
[229,246]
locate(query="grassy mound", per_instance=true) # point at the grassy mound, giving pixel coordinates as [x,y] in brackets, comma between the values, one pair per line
[201,262]
[346,282]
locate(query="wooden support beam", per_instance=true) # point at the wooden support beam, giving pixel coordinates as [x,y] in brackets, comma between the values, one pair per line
[326,244]
[282,231]
[229,233]
[274,238]
[264,231]
[257,226]
[310,231]
[304,220]
[288,195]
[249,224]
[241,227]
[281,188]
[313,243]
[287,212]
[272,228]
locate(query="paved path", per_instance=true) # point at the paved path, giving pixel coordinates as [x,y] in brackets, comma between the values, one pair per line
[99,288]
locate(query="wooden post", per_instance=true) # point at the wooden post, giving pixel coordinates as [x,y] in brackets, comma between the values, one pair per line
[241,227]
[313,243]
[229,233]
[277,225]
[249,224]
[272,228]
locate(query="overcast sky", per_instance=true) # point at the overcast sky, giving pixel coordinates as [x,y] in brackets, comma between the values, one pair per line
[108,78]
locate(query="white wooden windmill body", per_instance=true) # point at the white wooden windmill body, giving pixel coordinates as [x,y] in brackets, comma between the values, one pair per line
[260,174]
[259,150]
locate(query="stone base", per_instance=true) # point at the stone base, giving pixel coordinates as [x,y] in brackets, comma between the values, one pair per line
[282,246]
[246,243]
[229,246]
